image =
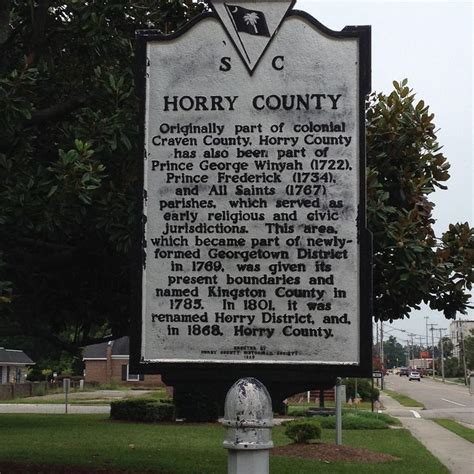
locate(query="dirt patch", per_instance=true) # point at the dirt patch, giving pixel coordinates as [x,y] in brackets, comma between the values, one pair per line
[19,468]
[331,452]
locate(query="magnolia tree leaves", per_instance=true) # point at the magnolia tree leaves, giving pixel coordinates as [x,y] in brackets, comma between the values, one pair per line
[405,165]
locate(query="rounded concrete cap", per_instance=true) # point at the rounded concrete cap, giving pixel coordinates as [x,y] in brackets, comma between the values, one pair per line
[248,404]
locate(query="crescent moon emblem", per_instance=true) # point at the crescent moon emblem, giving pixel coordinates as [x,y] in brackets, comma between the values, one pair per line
[236,10]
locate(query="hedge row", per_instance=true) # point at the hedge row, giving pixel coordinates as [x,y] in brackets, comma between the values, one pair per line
[142,410]
[358,421]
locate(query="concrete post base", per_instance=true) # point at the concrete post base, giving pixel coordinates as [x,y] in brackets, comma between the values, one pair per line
[250,462]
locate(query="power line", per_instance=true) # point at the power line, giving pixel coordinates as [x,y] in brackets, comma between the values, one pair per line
[401,330]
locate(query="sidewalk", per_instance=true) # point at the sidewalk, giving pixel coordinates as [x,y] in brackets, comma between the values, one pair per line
[56,408]
[454,452]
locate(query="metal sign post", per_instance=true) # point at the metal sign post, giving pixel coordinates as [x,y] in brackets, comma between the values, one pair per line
[66,388]
[372,396]
[339,392]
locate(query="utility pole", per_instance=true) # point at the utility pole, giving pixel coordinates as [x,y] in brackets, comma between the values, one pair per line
[381,343]
[377,343]
[382,355]
[423,360]
[427,341]
[442,351]
[432,353]
[463,353]
[377,334]
[410,350]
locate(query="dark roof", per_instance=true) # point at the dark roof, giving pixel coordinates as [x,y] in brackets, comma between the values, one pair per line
[95,351]
[120,346]
[11,356]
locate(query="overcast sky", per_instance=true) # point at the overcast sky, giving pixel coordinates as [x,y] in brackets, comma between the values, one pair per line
[431,44]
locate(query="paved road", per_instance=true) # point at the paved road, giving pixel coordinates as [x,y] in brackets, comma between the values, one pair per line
[441,400]
[30,404]
[453,451]
[47,408]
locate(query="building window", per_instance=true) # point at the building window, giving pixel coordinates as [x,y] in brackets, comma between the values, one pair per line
[132,377]
[128,377]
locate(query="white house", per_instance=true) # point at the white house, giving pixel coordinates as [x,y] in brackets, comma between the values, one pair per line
[13,365]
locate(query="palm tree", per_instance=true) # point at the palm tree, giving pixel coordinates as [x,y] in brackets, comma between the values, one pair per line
[251,19]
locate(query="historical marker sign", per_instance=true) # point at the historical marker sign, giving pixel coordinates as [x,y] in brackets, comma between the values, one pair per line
[255,249]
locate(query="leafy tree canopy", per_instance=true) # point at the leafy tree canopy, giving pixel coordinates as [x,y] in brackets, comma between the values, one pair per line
[69,163]
[394,353]
[405,165]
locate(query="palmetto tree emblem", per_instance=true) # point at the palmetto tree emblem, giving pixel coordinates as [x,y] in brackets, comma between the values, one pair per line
[249,22]
[252,19]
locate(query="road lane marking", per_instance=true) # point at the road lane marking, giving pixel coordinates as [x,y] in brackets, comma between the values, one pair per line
[415,414]
[455,403]
[442,386]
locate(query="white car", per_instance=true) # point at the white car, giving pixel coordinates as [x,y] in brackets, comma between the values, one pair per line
[414,375]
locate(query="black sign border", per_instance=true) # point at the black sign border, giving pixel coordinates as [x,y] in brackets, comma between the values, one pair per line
[288,373]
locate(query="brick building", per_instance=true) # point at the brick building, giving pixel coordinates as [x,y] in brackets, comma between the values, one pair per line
[458,331]
[109,362]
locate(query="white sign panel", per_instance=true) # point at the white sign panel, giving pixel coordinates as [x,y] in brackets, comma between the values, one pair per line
[252,192]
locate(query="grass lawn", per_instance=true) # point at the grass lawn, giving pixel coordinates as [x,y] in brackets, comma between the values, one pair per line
[94,440]
[403,399]
[457,380]
[460,430]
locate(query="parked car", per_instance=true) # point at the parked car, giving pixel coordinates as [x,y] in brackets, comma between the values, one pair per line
[404,371]
[414,375]
[423,372]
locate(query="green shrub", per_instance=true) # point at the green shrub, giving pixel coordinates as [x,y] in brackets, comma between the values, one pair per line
[297,411]
[364,389]
[390,420]
[142,410]
[302,431]
[354,421]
